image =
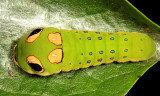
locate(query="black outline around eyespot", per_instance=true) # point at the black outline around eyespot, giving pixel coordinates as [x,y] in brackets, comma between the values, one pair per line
[38,64]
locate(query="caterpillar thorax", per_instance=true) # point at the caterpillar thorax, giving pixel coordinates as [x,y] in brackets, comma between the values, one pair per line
[46,51]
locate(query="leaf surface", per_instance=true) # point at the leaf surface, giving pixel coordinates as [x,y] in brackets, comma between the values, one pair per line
[115,79]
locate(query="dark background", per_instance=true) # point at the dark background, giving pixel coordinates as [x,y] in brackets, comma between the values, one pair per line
[149,83]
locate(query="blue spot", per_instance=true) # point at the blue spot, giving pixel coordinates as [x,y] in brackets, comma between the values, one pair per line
[124,56]
[112,38]
[99,60]
[112,51]
[100,52]
[141,49]
[89,61]
[97,32]
[90,53]
[89,38]
[125,39]
[126,50]
[112,58]
[100,38]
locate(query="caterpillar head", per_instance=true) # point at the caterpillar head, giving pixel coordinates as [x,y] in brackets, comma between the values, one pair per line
[38,51]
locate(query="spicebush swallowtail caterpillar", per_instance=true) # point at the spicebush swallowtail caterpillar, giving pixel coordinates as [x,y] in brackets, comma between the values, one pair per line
[46,51]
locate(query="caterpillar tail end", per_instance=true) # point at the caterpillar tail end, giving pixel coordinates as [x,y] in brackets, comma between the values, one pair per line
[151,47]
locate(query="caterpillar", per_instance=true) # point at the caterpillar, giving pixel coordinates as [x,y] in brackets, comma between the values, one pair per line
[47,50]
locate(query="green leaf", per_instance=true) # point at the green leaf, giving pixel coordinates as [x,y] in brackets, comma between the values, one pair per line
[19,16]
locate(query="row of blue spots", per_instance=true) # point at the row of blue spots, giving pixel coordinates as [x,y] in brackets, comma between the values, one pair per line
[99,60]
[100,38]
[89,38]
[112,38]
[113,57]
[100,52]
[112,51]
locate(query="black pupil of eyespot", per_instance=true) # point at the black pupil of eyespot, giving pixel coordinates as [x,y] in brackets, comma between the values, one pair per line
[35,66]
[35,31]
[15,55]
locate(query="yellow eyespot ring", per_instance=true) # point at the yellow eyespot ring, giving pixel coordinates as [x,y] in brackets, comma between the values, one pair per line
[14,52]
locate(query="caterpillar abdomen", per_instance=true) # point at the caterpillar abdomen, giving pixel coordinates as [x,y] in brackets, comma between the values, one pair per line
[46,51]
[94,48]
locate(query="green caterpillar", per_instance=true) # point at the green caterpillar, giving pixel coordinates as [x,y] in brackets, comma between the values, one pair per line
[46,51]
